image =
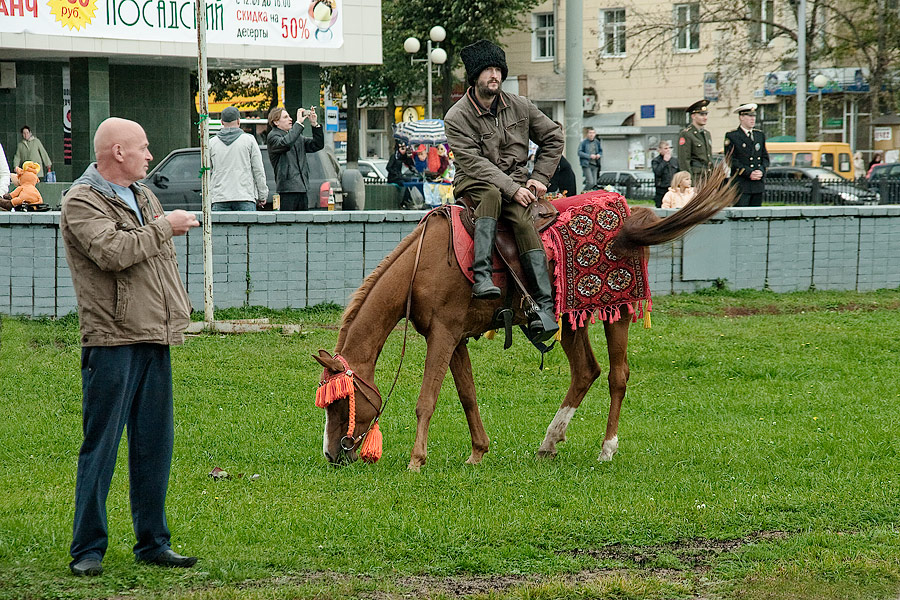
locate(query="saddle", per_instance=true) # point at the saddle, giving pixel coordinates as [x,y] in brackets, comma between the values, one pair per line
[544,215]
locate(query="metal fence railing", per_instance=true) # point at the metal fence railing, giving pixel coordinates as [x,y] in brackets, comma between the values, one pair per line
[778,190]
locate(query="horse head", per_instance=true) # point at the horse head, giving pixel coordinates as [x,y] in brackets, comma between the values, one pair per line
[352,407]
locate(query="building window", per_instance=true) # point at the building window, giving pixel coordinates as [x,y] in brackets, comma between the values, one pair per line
[761,31]
[543,38]
[677,117]
[612,32]
[687,27]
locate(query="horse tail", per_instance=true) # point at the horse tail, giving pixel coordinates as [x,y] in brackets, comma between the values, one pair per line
[644,228]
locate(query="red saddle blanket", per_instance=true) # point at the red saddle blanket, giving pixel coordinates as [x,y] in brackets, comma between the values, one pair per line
[590,280]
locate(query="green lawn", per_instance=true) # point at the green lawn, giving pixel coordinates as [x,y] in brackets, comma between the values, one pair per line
[758,459]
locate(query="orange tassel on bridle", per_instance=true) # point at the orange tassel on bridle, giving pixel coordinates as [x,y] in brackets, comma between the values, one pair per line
[334,388]
[371,447]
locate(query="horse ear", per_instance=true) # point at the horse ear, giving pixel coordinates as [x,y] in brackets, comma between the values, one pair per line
[325,359]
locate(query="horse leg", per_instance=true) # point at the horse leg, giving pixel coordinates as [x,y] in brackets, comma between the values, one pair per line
[461,367]
[437,359]
[617,345]
[583,371]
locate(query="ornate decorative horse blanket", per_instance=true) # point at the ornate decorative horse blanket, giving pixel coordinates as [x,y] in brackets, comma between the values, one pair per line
[591,280]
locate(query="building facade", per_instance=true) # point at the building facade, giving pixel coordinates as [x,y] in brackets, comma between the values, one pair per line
[645,61]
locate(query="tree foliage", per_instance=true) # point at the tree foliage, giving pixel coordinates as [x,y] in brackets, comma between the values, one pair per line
[398,79]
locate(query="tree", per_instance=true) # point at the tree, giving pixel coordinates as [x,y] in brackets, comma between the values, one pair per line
[399,79]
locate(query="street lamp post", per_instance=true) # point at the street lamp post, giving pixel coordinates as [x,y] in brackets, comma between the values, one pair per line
[437,56]
[820,81]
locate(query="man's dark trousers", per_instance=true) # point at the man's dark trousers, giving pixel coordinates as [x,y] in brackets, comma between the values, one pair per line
[124,386]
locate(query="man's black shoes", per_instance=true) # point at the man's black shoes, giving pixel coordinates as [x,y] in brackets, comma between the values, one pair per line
[86,567]
[170,558]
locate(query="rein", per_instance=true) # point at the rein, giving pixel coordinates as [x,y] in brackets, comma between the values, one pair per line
[341,384]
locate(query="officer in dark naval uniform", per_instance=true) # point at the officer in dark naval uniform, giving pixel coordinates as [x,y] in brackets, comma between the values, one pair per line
[745,150]
[695,144]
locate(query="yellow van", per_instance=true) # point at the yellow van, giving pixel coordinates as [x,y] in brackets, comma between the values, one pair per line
[831,155]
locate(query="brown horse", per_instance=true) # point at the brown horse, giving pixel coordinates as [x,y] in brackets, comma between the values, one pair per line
[442,310]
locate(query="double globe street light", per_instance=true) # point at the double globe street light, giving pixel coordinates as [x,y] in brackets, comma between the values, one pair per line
[437,56]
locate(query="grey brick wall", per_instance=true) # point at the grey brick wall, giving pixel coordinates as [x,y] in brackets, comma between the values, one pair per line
[302,259]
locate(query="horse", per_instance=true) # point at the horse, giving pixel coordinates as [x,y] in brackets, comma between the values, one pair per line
[440,306]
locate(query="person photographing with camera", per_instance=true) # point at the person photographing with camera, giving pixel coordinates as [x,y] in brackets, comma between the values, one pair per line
[287,152]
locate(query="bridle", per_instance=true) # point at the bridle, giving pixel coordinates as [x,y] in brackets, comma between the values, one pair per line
[341,384]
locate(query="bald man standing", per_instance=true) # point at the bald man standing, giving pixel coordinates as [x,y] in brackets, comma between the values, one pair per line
[132,306]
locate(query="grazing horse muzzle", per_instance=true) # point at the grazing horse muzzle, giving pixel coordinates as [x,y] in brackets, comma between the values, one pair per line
[338,383]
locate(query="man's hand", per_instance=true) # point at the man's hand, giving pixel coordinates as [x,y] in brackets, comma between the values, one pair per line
[182,221]
[523,196]
[313,117]
[756,175]
[301,116]
[539,188]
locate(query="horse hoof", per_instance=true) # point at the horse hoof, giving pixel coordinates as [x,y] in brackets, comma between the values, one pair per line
[545,454]
[415,468]
[472,460]
[610,447]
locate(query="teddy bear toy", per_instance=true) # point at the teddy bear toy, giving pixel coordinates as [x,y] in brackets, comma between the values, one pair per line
[27,192]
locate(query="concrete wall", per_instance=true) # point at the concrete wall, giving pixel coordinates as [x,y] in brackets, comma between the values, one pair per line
[301,259]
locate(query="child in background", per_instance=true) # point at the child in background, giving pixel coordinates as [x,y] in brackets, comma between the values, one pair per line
[680,192]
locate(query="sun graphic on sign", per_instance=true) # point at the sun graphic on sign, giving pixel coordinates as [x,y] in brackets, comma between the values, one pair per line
[73,14]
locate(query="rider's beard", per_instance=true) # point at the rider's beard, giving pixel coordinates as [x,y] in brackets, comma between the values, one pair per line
[485,91]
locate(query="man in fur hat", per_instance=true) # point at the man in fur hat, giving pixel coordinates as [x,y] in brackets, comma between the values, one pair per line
[488,130]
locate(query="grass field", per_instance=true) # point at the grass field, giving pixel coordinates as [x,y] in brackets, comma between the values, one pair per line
[758,459]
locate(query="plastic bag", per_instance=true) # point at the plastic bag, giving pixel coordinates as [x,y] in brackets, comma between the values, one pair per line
[51,176]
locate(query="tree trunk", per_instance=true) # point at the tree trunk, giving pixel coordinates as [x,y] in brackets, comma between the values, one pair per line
[446,87]
[353,118]
[273,90]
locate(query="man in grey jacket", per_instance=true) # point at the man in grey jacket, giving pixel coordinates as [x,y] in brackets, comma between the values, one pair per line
[237,180]
[132,306]
[488,130]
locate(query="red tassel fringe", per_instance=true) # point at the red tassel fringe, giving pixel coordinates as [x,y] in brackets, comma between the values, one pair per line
[334,388]
[371,446]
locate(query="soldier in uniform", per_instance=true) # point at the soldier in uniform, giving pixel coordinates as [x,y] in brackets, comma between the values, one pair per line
[695,144]
[745,150]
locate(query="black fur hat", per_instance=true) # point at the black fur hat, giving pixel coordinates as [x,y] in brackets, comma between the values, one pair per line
[479,56]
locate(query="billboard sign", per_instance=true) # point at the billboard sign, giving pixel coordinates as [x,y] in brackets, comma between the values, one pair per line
[294,23]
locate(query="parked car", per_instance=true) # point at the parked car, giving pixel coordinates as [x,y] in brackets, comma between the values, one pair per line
[813,185]
[373,170]
[634,184]
[176,179]
[885,179]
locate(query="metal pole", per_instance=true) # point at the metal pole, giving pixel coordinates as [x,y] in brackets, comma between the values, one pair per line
[821,135]
[800,93]
[208,305]
[428,64]
[574,78]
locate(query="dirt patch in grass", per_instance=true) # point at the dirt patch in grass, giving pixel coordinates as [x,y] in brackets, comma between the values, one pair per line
[694,559]
[695,554]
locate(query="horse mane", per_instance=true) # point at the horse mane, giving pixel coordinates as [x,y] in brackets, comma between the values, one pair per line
[644,228]
[360,295]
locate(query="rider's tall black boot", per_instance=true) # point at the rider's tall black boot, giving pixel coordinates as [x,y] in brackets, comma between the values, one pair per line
[483,264]
[542,326]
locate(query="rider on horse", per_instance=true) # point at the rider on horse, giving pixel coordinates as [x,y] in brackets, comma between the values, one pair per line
[488,130]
